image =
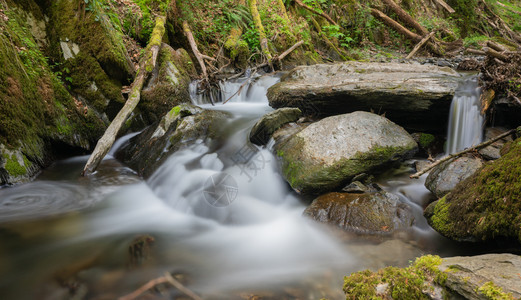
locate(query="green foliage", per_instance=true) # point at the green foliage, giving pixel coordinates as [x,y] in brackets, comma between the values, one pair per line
[475,40]
[333,31]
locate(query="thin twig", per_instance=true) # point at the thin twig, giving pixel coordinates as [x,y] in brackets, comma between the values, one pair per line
[178,285]
[147,286]
[451,156]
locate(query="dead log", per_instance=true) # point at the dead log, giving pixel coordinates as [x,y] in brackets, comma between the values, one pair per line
[474,51]
[495,46]
[405,17]
[195,50]
[322,14]
[147,65]
[451,156]
[445,6]
[260,30]
[419,45]
[493,53]
[395,25]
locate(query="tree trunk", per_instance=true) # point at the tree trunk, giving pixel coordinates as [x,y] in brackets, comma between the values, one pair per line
[405,17]
[195,50]
[420,44]
[395,25]
[328,18]
[148,63]
[260,29]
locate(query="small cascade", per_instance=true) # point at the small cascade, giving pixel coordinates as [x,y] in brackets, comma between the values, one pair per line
[245,89]
[465,119]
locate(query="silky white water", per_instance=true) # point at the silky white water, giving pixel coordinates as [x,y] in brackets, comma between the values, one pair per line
[465,119]
[256,241]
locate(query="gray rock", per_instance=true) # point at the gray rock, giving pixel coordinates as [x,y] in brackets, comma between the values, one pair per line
[444,177]
[417,97]
[327,154]
[270,122]
[470,276]
[356,187]
[493,151]
[179,128]
[370,213]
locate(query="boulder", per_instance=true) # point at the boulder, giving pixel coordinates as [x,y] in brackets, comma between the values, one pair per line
[486,206]
[327,154]
[489,276]
[179,128]
[417,97]
[444,177]
[262,131]
[368,213]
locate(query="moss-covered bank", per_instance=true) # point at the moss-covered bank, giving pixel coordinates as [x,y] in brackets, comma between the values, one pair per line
[38,117]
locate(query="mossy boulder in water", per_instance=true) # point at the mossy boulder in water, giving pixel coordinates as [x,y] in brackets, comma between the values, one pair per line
[327,154]
[368,213]
[485,206]
[184,125]
[262,131]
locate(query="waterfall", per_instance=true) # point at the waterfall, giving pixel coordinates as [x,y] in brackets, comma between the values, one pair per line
[465,119]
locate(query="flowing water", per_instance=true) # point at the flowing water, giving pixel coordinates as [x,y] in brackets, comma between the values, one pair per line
[66,233]
[465,119]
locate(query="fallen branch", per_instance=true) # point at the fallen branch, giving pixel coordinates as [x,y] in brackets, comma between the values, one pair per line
[322,14]
[164,279]
[495,54]
[445,6]
[263,40]
[147,286]
[395,25]
[195,50]
[495,46]
[208,57]
[181,287]
[290,49]
[419,45]
[405,17]
[451,156]
[475,52]
[147,65]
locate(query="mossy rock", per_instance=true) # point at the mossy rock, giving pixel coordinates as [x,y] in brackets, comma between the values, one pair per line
[327,154]
[368,213]
[414,282]
[182,126]
[168,86]
[97,64]
[484,207]
[38,117]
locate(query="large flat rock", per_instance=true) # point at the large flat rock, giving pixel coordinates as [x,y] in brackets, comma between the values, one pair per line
[416,97]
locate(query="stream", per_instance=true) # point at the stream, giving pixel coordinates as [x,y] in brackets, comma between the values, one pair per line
[257,241]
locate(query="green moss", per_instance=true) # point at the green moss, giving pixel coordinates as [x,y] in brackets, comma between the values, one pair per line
[493,292]
[486,205]
[426,140]
[403,283]
[440,220]
[13,167]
